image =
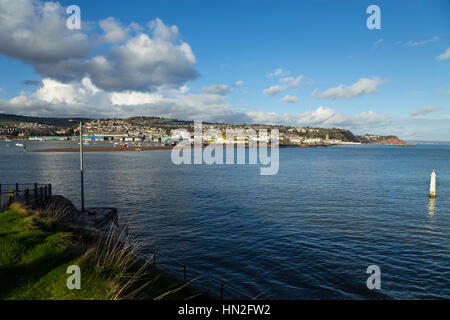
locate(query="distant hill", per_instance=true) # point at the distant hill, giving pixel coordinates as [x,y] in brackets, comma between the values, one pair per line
[10,119]
[332,133]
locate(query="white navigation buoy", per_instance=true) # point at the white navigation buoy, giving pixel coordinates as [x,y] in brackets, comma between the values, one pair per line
[433,185]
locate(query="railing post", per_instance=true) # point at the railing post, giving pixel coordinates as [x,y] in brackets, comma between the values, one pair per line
[27,197]
[1,197]
[17,187]
[41,194]
[35,196]
[11,196]
[50,189]
[45,193]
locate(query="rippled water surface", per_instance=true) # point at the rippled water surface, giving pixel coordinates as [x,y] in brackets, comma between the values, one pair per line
[308,232]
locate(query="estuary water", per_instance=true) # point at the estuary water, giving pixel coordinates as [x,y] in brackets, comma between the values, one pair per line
[309,232]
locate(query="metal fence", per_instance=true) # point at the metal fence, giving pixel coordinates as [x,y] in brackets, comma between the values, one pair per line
[32,195]
[217,286]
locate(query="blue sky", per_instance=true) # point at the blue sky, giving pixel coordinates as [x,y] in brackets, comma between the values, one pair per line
[383,81]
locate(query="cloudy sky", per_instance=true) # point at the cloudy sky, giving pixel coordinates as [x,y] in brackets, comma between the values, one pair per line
[286,62]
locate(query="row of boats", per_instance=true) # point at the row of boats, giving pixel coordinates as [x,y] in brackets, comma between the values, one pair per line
[17,145]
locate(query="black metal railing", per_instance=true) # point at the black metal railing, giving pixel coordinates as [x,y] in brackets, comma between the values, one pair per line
[31,195]
[218,286]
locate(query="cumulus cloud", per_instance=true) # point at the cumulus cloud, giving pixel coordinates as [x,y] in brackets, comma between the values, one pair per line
[292,82]
[144,62]
[113,31]
[289,99]
[221,89]
[445,55]
[136,58]
[36,33]
[278,72]
[273,90]
[425,110]
[362,87]
[239,83]
[84,98]
[322,116]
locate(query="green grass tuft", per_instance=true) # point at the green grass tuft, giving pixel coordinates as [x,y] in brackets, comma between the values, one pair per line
[35,251]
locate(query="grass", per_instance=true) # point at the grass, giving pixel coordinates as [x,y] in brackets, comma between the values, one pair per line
[36,249]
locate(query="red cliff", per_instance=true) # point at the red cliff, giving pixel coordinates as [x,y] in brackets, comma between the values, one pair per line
[391,141]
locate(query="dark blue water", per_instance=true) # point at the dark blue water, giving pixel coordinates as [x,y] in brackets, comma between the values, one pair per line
[309,232]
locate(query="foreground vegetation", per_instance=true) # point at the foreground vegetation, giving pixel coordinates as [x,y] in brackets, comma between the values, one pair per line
[36,249]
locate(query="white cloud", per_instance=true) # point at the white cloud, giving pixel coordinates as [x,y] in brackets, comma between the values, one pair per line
[113,30]
[292,82]
[273,90]
[289,99]
[239,83]
[135,58]
[134,98]
[412,43]
[36,33]
[362,87]
[278,72]
[425,110]
[445,55]
[221,89]
[83,98]
[322,116]
[144,63]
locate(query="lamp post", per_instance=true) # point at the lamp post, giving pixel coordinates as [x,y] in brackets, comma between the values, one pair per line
[81,167]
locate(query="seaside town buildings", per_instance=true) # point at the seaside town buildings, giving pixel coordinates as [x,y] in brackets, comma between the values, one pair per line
[160,131]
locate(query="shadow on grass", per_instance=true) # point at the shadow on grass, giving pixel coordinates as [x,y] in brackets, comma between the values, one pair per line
[13,277]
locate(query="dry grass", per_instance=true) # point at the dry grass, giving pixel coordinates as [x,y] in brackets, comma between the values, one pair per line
[55,211]
[115,256]
[19,208]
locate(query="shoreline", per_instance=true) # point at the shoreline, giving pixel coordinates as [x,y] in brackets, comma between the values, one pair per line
[150,148]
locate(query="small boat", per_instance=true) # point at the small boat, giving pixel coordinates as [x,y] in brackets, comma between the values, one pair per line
[139,148]
[19,144]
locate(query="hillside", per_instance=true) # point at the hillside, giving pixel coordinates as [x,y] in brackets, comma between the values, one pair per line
[11,119]
[10,126]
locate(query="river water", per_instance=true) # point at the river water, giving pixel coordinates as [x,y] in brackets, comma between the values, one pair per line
[309,232]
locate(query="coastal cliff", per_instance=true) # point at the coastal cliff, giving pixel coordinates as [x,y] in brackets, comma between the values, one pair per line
[392,141]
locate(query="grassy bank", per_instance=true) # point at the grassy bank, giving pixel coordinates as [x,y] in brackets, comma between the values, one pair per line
[36,249]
